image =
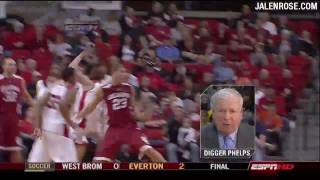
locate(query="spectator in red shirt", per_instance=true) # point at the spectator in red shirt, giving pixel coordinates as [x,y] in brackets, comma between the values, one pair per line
[15,39]
[235,56]
[202,40]
[233,52]
[44,59]
[158,32]
[245,40]
[222,34]
[30,36]
[244,77]
[104,50]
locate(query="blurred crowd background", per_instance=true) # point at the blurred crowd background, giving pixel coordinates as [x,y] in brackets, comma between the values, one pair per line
[176,50]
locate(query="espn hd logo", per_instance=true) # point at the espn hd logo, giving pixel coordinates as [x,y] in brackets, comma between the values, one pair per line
[258,166]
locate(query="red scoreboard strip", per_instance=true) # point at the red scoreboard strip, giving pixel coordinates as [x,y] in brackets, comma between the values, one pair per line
[270,166]
[39,167]
[118,166]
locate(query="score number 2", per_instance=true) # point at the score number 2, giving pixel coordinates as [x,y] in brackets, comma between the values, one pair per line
[181,165]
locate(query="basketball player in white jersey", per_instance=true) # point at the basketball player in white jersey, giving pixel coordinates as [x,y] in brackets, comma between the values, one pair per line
[53,143]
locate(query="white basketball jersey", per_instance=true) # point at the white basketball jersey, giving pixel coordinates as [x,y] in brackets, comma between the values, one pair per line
[52,119]
[98,118]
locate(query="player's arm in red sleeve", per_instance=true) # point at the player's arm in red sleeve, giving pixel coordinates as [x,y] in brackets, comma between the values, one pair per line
[92,105]
[25,94]
[83,79]
[66,104]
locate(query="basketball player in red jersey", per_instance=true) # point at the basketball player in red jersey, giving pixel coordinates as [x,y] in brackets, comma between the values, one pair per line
[12,91]
[119,98]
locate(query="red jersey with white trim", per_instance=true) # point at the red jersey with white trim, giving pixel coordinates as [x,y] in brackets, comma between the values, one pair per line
[118,101]
[10,94]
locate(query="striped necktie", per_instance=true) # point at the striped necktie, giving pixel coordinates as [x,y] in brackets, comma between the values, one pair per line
[228,143]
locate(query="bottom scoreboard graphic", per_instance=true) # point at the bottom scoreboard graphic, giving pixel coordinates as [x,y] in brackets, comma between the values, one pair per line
[255,167]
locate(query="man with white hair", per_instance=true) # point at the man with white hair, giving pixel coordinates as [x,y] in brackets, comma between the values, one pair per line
[226,130]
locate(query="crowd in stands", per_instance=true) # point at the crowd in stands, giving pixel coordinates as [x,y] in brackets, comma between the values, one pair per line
[175,59]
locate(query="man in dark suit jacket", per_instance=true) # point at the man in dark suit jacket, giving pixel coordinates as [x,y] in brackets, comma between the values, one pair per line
[226,131]
[245,136]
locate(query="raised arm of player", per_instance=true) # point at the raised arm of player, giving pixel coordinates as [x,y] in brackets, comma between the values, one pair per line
[66,104]
[92,105]
[25,94]
[75,62]
[83,79]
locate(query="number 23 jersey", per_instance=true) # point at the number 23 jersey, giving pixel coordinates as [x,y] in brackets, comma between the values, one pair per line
[118,101]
